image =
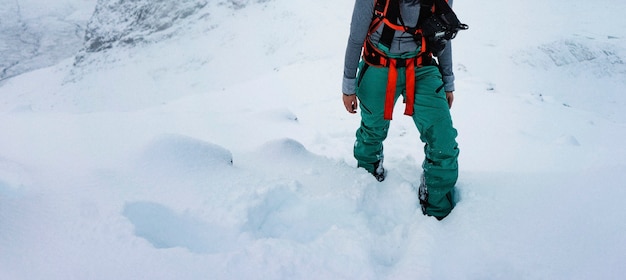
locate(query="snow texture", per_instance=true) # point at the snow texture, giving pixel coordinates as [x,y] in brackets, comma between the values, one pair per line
[128,22]
[207,140]
[36,34]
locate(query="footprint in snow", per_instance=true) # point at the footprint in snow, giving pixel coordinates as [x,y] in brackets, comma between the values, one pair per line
[164,229]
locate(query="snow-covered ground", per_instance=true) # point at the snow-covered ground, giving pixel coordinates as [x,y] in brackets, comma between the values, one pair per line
[218,148]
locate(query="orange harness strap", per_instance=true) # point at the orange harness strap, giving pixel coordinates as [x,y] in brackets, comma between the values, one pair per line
[390,94]
[410,88]
[375,57]
[392,79]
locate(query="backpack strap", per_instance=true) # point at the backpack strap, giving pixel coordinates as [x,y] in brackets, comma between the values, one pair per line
[391,15]
[427,8]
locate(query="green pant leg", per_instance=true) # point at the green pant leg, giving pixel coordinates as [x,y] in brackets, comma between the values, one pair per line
[433,120]
[371,90]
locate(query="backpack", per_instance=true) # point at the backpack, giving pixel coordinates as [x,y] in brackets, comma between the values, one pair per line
[437,24]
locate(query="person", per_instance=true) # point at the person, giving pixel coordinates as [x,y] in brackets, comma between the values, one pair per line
[400,63]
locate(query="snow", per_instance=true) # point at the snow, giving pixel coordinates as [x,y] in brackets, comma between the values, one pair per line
[218,148]
[35,34]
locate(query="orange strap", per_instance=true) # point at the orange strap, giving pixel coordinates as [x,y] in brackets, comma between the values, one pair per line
[392,79]
[390,95]
[410,89]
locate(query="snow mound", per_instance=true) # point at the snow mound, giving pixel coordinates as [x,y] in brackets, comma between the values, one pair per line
[178,155]
[283,149]
[567,140]
[13,178]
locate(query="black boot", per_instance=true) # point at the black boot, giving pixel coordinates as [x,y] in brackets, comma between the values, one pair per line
[379,171]
[423,197]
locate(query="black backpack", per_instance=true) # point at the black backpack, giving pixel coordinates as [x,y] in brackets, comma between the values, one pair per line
[437,23]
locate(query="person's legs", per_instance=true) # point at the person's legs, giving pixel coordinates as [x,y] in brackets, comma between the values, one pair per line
[433,120]
[368,148]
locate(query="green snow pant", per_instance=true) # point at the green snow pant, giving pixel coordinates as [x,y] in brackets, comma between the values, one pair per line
[433,120]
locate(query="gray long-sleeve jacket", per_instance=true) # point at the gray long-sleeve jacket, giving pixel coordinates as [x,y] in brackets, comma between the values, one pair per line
[402,42]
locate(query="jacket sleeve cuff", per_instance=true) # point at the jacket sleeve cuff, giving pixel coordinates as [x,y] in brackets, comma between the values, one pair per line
[349,86]
[448,83]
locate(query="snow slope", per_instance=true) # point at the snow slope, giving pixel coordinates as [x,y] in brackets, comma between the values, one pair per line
[218,148]
[36,34]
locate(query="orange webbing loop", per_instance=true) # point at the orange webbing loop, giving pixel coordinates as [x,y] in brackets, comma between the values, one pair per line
[390,93]
[394,26]
[373,56]
[392,79]
[410,87]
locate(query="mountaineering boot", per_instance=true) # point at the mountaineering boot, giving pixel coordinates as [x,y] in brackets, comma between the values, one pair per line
[379,171]
[422,194]
[423,198]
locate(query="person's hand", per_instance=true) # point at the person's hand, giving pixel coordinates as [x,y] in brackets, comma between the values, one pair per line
[450,97]
[350,102]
